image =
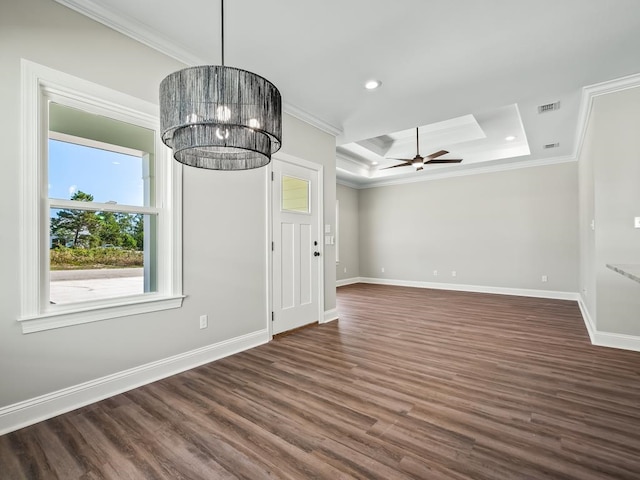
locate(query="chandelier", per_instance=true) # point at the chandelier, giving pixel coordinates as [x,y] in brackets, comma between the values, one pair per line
[220,118]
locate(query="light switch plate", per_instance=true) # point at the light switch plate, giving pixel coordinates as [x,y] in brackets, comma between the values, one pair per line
[637,222]
[327,229]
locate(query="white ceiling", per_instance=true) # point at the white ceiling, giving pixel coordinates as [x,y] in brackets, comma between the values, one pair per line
[488,136]
[439,61]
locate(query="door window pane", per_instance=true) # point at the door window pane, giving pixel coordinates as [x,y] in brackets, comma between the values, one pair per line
[295,194]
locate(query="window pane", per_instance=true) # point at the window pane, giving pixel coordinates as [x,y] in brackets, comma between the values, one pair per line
[109,177]
[97,255]
[106,158]
[295,194]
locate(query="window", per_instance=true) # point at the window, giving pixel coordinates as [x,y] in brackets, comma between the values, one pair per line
[295,194]
[100,206]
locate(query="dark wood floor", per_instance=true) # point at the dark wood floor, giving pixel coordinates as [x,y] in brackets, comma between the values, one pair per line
[410,383]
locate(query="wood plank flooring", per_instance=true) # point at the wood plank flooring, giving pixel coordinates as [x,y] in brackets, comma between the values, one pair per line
[409,383]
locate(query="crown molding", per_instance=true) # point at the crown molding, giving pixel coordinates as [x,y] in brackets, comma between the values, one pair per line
[311,119]
[346,183]
[133,29]
[143,34]
[503,167]
[586,102]
[351,161]
[349,166]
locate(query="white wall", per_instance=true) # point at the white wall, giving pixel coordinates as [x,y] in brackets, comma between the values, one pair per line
[503,229]
[349,236]
[610,166]
[586,182]
[224,218]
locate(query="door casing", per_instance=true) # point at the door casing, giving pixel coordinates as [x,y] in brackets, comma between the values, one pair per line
[319,169]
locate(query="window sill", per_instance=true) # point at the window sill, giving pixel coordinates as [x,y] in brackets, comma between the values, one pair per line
[59,319]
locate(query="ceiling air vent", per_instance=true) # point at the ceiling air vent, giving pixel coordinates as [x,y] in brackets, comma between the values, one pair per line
[549,107]
[551,145]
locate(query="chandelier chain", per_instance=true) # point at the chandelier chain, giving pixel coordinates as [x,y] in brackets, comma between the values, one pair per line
[222,27]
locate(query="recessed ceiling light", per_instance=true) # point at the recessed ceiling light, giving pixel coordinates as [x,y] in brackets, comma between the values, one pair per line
[374,163]
[372,84]
[510,138]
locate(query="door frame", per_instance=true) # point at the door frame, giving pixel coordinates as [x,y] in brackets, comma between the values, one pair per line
[319,198]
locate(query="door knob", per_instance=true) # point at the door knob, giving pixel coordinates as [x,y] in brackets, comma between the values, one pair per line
[316,254]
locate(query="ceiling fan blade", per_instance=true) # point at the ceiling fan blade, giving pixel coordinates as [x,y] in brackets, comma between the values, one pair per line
[437,154]
[453,160]
[405,164]
[399,159]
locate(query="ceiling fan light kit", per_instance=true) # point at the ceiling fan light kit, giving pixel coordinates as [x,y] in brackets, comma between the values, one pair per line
[419,161]
[220,118]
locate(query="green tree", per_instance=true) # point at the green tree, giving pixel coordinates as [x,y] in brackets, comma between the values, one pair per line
[119,229]
[127,224]
[138,232]
[108,230]
[76,226]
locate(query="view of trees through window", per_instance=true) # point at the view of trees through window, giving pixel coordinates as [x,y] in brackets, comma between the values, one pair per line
[89,239]
[96,233]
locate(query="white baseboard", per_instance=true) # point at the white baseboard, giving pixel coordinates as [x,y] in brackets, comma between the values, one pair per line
[522,292]
[330,315]
[607,339]
[588,321]
[347,281]
[28,412]
[617,340]
[601,339]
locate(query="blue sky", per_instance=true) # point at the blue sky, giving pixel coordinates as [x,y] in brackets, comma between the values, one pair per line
[106,175]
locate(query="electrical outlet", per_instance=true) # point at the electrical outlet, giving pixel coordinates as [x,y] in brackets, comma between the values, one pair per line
[382,269]
[204,321]
[345,269]
[544,278]
[435,273]
[454,273]
[636,222]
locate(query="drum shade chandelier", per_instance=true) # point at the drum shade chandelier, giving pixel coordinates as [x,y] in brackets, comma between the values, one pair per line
[220,118]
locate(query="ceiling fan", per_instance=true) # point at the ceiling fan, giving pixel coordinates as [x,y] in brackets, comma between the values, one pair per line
[419,162]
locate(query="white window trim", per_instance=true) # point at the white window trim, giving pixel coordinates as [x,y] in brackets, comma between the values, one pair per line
[41,84]
[86,142]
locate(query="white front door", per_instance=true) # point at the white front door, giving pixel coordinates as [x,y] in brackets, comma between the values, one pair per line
[296,246]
